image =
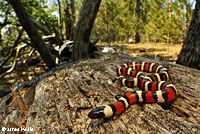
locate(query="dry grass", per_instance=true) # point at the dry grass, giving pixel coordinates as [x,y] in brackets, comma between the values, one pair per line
[23,110]
[168,52]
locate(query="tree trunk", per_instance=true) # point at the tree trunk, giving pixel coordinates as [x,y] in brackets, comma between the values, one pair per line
[70,19]
[73,17]
[60,26]
[137,34]
[83,28]
[32,32]
[107,22]
[39,26]
[186,16]
[190,53]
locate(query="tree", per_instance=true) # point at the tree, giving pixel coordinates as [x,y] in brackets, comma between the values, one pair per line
[190,53]
[83,28]
[34,35]
[70,18]
[137,34]
[5,22]
[144,20]
[60,26]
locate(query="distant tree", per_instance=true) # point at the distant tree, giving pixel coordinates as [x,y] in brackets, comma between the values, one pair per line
[142,20]
[83,28]
[190,53]
[138,11]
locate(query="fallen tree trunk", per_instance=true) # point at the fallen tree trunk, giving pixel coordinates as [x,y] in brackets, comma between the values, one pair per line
[63,100]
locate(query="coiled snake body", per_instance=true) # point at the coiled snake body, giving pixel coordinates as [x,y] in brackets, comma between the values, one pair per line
[155,88]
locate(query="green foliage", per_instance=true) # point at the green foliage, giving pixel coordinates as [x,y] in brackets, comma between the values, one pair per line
[41,11]
[159,20]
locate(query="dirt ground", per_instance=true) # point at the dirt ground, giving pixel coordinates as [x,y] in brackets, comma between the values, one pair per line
[166,52]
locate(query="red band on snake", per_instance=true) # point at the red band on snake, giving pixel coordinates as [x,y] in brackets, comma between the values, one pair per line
[155,88]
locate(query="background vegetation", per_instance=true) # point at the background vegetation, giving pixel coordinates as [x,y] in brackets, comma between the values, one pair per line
[155,20]
[117,21]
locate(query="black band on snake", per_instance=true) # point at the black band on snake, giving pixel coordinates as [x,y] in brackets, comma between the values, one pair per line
[155,88]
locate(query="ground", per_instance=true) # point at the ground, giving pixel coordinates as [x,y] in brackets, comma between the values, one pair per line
[63,98]
[167,52]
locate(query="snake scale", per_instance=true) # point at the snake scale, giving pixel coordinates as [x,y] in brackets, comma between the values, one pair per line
[155,88]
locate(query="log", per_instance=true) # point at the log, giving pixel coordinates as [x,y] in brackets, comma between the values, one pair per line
[63,99]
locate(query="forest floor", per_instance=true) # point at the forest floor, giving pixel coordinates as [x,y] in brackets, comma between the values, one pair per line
[165,52]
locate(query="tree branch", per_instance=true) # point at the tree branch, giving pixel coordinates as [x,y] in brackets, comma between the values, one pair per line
[39,26]
[9,54]
[15,60]
[34,35]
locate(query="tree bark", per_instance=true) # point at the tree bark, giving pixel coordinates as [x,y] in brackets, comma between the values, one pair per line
[39,26]
[83,28]
[70,19]
[137,34]
[73,16]
[190,53]
[60,26]
[32,32]
[107,22]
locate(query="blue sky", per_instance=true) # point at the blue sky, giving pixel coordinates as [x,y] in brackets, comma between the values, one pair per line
[194,1]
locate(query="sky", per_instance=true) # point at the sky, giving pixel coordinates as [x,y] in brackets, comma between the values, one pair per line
[194,2]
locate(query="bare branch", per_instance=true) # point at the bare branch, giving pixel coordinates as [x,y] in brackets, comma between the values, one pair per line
[15,60]
[5,22]
[34,35]
[9,54]
[39,26]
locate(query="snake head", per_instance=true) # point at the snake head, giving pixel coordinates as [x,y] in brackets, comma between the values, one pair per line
[97,113]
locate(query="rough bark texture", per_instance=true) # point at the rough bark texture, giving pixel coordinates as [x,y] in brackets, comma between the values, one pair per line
[83,28]
[70,19]
[63,100]
[32,32]
[60,25]
[190,53]
[137,34]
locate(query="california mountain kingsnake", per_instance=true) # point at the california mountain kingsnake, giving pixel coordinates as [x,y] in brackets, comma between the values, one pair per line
[156,88]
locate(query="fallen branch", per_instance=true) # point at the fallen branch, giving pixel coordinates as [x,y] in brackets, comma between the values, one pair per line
[15,60]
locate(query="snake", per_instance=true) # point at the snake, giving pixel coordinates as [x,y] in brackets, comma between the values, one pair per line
[155,88]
